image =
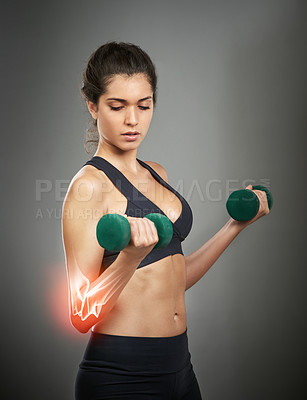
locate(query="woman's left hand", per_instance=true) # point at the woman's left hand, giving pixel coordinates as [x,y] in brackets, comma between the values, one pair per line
[263,207]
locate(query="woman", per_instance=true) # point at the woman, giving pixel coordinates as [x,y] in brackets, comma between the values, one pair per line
[133,301]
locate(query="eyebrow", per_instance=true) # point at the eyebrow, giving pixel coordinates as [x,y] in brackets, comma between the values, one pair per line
[125,101]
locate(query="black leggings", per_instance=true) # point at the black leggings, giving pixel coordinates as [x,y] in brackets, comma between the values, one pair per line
[136,368]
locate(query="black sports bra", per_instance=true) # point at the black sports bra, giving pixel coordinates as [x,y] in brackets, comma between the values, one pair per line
[139,205]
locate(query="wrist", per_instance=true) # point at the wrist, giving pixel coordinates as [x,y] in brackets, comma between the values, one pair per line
[129,258]
[237,226]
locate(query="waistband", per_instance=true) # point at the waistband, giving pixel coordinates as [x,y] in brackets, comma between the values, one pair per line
[135,354]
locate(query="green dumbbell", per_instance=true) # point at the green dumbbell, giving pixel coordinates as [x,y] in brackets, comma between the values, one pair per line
[243,204]
[113,231]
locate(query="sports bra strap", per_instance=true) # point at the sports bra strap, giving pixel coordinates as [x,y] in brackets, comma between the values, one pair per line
[118,179]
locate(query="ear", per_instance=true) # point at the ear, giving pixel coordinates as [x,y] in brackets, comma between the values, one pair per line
[92,108]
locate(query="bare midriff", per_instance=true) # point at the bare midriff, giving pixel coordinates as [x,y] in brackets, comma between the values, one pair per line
[152,304]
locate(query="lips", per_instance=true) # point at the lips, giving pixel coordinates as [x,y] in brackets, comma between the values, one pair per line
[132,133]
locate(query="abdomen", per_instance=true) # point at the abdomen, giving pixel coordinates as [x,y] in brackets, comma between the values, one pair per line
[152,303]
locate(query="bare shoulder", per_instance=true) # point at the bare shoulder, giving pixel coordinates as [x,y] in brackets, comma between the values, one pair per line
[87,187]
[159,169]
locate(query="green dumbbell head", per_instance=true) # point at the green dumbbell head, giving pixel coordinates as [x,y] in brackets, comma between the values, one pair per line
[242,204]
[113,232]
[164,228]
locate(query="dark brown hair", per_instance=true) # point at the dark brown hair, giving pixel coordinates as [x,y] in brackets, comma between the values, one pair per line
[110,59]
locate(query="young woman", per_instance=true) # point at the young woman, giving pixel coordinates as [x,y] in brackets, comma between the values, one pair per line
[133,301]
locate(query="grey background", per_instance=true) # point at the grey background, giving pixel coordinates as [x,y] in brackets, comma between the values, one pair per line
[231,111]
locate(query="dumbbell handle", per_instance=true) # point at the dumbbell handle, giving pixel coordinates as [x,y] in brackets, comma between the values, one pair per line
[243,204]
[113,231]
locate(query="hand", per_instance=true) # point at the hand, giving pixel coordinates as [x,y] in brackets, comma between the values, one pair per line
[144,237]
[263,208]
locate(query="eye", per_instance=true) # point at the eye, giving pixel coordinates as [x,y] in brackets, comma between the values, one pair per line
[119,108]
[115,108]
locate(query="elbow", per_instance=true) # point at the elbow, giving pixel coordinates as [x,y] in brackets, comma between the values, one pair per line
[83,326]
[84,323]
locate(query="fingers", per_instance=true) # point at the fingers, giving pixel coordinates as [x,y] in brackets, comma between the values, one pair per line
[135,232]
[262,196]
[146,232]
[263,200]
[152,229]
[143,232]
[264,206]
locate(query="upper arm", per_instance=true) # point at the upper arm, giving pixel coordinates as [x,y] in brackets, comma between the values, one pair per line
[83,206]
[159,169]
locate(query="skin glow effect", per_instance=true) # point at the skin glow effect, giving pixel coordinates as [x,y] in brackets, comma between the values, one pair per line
[87,300]
[126,106]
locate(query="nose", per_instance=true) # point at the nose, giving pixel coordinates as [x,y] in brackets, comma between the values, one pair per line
[131,116]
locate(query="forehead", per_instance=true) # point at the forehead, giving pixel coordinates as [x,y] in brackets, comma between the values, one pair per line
[129,86]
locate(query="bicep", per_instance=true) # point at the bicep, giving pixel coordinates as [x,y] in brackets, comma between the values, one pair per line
[83,253]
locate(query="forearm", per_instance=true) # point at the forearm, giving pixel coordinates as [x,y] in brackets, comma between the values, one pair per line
[201,260]
[89,303]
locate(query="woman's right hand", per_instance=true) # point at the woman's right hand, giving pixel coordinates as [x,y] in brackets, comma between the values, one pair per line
[144,237]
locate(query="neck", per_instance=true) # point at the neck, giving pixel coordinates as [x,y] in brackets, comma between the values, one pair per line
[123,160]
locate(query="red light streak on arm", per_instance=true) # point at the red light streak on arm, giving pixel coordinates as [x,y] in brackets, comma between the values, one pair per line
[90,302]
